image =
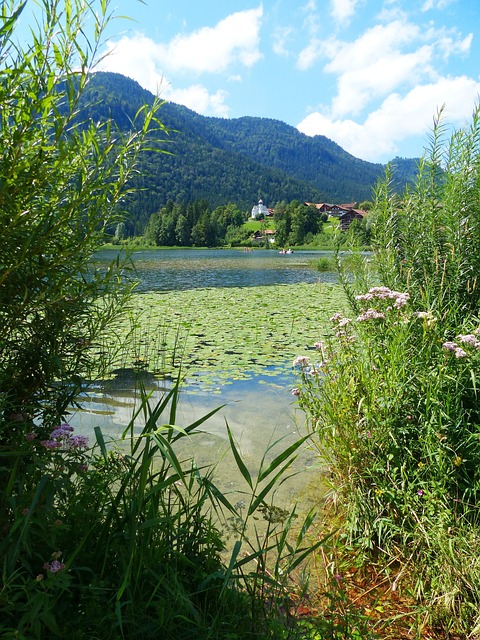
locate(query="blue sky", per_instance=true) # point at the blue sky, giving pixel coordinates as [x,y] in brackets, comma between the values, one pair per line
[370,75]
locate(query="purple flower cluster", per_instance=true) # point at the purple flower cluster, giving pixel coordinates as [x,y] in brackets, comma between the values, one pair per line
[455,349]
[384,293]
[62,438]
[54,566]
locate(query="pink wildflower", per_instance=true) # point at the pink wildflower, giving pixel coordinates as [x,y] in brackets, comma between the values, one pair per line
[460,353]
[469,339]
[339,319]
[365,296]
[384,293]
[301,361]
[296,392]
[449,346]
[31,436]
[371,314]
[401,300]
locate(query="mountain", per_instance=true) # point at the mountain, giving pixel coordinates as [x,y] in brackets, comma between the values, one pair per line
[231,160]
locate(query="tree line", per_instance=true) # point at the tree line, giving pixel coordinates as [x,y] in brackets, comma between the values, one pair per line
[198,224]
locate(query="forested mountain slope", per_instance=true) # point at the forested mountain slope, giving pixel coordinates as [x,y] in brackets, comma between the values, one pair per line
[231,160]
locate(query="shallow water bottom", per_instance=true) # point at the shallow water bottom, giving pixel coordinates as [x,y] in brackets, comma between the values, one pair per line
[262,415]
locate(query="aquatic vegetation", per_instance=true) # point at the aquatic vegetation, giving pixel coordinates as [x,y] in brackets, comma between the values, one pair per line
[223,334]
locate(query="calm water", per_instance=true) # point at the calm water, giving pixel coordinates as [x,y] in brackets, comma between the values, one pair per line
[259,411]
[173,270]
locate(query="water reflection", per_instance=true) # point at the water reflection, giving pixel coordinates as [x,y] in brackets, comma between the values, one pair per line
[170,270]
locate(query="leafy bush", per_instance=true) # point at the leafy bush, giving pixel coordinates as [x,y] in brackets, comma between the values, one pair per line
[122,540]
[62,182]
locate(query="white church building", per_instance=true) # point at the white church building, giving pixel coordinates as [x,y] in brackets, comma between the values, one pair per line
[259,209]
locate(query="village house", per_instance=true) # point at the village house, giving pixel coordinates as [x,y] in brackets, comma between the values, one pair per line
[263,236]
[348,216]
[345,213]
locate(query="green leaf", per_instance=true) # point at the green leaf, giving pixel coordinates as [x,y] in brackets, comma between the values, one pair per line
[238,459]
[280,459]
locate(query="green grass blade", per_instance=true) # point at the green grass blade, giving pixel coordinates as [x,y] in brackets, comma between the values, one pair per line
[240,464]
[280,459]
[261,496]
[101,442]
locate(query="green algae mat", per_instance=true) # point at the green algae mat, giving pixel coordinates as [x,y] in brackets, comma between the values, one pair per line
[218,335]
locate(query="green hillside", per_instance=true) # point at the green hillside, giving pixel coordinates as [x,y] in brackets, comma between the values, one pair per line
[230,160]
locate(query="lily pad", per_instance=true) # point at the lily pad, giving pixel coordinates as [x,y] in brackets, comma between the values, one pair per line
[215,335]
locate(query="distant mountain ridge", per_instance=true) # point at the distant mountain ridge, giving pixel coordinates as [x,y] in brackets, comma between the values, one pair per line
[232,160]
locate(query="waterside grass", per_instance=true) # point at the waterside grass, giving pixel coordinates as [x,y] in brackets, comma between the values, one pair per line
[394,400]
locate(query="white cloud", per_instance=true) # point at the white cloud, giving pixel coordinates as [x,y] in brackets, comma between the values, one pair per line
[358,87]
[436,4]
[374,65]
[448,46]
[343,10]
[310,54]
[309,6]
[235,39]
[197,98]
[214,49]
[398,118]
[375,42]
[385,58]
[280,38]
[136,57]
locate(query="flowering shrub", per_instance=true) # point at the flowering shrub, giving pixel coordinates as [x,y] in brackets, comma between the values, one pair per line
[375,387]
[396,405]
[62,438]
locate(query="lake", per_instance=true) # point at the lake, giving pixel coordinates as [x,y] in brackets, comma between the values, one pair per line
[182,269]
[259,410]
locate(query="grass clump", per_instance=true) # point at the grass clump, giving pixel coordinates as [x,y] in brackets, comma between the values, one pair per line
[393,396]
[127,540]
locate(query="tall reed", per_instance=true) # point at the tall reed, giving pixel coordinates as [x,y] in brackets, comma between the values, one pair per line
[393,392]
